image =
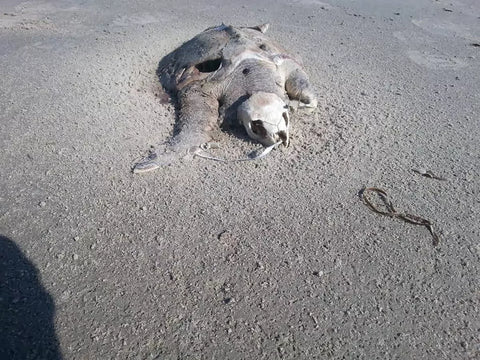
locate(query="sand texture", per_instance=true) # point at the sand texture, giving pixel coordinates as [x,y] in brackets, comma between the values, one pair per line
[272,259]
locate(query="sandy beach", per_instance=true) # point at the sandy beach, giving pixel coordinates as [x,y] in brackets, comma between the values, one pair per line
[277,258]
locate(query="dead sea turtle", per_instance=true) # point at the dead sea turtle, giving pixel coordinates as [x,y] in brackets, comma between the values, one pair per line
[230,75]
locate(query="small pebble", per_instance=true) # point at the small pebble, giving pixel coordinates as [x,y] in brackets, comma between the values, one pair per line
[75,257]
[42,203]
[225,235]
[259,266]
[65,295]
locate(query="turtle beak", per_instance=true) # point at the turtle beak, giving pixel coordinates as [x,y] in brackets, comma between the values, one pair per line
[283,136]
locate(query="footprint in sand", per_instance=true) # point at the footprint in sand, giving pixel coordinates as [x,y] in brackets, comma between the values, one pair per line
[448,29]
[422,43]
[36,15]
[321,4]
[136,19]
[427,55]
[435,61]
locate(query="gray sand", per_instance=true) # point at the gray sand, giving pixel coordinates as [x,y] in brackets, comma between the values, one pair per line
[259,260]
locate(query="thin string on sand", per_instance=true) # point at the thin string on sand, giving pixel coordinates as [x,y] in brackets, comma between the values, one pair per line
[429,174]
[391,212]
[203,153]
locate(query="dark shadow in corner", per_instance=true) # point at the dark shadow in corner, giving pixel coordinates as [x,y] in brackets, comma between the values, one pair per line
[26,310]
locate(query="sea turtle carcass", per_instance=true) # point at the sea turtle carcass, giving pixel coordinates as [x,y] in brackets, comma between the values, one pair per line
[230,75]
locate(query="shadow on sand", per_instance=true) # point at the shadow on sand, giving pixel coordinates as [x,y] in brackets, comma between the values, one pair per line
[26,309]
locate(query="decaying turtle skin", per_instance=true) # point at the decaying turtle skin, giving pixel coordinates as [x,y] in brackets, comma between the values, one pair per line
[229,75]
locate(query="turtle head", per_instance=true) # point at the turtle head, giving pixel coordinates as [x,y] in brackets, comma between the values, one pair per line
[265,117]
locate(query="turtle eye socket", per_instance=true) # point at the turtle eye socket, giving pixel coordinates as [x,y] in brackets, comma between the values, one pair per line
[209,65]
[258,129]
[283,136]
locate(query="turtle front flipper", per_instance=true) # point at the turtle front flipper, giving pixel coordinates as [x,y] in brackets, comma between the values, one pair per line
[197,117]
[154,161]
[143,167]
[298,85]
[198,113]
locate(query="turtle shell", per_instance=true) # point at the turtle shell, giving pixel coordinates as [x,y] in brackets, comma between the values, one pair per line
[213,54]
